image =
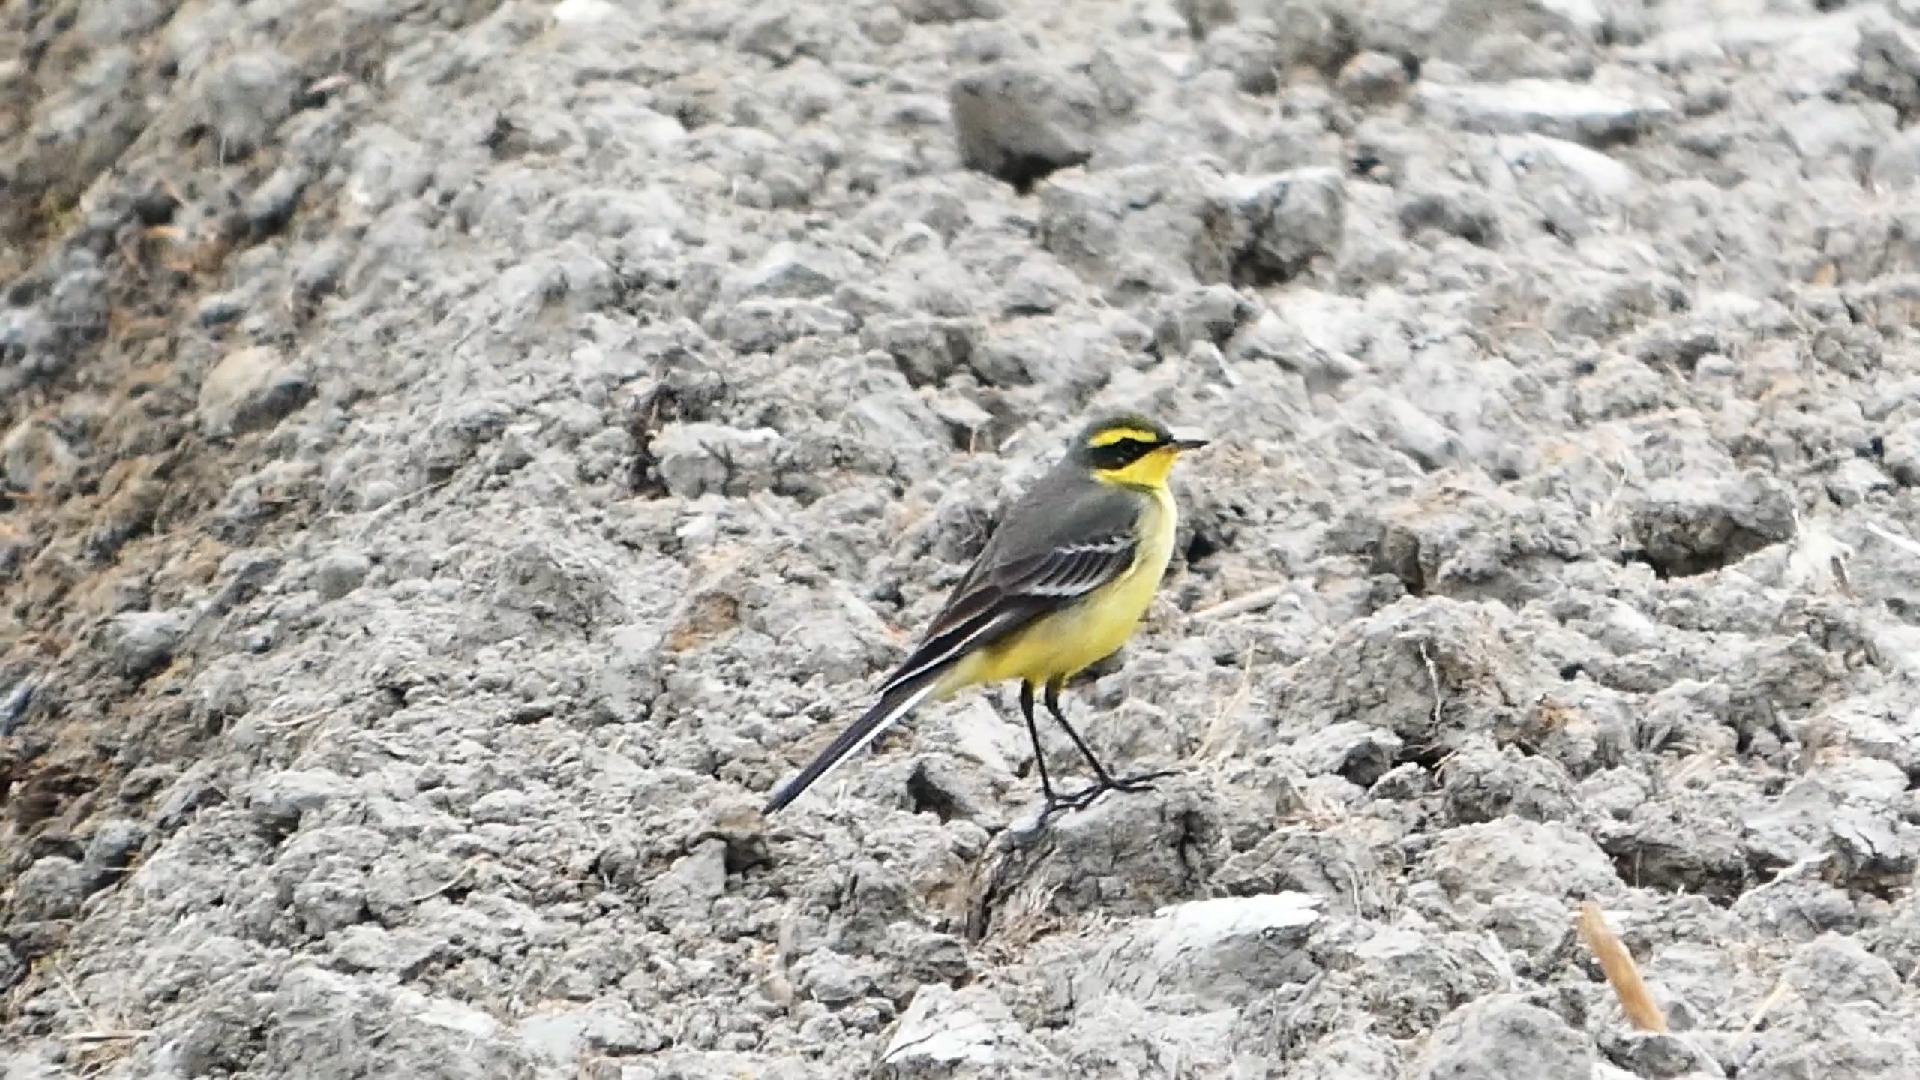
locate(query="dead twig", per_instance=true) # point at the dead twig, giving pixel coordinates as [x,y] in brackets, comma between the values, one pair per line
[1903,543]
[1622,973]
[1433,678]
[73,993]
[451,882]
[1781,991]
[1256,600]
[1214,739]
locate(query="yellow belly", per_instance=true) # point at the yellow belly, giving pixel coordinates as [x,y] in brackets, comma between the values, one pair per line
[1064,643]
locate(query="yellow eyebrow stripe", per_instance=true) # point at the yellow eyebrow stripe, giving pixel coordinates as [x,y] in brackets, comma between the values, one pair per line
[1121,434]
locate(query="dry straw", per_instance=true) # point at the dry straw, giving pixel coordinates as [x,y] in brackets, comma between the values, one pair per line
[1622,973]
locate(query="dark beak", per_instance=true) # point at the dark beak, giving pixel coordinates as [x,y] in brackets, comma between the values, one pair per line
[1189,444]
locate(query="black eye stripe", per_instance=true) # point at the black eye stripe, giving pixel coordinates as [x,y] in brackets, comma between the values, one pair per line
[1119,454]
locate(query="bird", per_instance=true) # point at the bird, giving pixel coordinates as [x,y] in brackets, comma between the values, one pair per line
[1061,584]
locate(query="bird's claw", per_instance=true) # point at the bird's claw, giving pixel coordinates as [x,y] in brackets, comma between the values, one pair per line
[1142,781]
[1080,800]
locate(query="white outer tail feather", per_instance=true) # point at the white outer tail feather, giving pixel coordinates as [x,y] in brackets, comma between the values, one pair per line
[887,720]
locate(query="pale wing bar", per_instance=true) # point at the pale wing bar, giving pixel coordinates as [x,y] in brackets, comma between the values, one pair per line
[1077,569]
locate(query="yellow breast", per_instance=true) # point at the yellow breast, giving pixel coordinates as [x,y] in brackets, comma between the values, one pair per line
[1064,643]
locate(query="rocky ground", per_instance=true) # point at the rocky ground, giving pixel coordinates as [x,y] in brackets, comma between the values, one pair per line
[455,458]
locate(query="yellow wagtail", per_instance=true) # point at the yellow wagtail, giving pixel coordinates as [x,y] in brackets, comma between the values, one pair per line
[1061,585]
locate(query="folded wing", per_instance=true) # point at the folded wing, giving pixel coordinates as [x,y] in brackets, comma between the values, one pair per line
[1005,597]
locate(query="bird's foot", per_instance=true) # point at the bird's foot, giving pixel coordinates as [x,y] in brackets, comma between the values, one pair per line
[1058,804]
[1142,781]
[1080,800]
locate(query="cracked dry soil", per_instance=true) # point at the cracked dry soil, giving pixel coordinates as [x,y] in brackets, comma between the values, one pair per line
[456,458]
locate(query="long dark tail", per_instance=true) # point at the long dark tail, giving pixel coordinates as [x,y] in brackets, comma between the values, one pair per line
[893,705]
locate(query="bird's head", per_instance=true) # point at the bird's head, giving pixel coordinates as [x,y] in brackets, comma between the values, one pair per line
[1129,449]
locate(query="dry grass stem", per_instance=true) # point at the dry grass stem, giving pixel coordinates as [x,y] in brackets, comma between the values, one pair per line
[1622,973]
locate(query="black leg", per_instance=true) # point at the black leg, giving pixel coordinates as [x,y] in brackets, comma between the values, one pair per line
[1053,706]
[1033,732]
[1107,781]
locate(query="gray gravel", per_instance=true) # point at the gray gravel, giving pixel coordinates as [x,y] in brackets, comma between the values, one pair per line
[455,459]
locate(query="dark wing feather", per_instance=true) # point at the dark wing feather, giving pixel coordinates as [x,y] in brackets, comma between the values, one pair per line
[1056,551]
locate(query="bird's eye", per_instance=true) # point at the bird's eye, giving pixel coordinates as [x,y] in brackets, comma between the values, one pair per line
[1125,452]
